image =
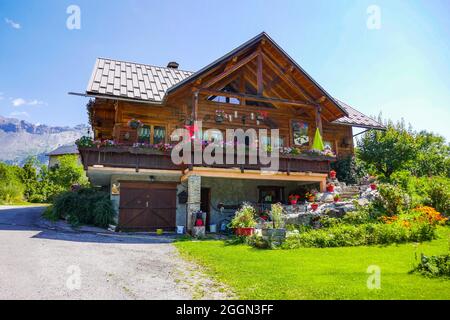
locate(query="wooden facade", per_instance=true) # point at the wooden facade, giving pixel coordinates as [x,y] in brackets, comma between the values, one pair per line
[258,78]
[256,86]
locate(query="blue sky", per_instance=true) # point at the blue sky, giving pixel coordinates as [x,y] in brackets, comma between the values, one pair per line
[401,69]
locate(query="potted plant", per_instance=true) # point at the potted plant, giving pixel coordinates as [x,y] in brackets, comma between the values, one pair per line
[198,230]
[373,186]
[134,124]
[330,187]
[314,206]
[311,197]
[220,116]
[333,174]
[293,198]
[275,230]
[337,197]
[244,221]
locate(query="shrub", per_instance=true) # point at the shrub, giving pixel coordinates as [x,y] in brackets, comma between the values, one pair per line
[49,214]
[342,235]
[276,214]
[11,187]
[348,170]
[439,194]
[244,217]
[85,206]
[434,266]
[392,200]
[430,191]
[357,217]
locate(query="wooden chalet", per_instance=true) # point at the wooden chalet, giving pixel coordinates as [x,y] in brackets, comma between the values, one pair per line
[257,85]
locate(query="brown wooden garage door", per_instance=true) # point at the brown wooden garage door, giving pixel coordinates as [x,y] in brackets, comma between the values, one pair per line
[147,206]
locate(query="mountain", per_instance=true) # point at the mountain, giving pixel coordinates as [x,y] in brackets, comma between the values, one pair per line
[20,139]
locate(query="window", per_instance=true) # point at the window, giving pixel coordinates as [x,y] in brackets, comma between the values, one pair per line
[144,134]
[269,194]
[152,134]
[159,134]
[300,133]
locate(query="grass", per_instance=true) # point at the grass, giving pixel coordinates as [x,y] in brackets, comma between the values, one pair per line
[313,273]
[24,203]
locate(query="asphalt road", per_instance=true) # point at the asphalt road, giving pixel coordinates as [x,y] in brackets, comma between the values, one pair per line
[40,263]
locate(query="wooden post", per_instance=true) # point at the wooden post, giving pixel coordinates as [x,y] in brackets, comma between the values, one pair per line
[195,106]
[319,120]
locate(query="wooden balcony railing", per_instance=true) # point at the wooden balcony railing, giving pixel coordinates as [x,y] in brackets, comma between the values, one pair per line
[141,158]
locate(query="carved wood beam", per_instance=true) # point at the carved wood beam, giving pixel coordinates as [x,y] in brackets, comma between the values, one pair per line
[257,98]
[231,69]
[287,77]
[259,75]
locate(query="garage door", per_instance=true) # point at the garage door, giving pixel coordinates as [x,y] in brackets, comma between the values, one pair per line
[147,206]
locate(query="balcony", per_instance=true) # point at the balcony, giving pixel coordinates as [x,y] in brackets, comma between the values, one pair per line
[144,158]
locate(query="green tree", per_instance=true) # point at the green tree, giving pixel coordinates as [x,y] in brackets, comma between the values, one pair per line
[29,177]
[433,157]
[390,150]
[67,172]
[11,186]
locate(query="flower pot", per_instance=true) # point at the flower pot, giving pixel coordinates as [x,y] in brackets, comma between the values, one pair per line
[314,206]
[180,229]
[213,228]
[336,200]
[373,186]
[311,199]
[219,119]
[330,188]
[333,174]
[244,232]
[293,202]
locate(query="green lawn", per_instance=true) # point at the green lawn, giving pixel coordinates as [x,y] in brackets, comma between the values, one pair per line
[312,273]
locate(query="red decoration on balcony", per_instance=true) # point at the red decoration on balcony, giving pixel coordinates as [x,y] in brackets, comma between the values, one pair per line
[333,174]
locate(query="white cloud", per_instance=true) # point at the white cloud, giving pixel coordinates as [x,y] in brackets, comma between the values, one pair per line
[35,103]
[19,114]
[21,102]
[18,102]
[13,24]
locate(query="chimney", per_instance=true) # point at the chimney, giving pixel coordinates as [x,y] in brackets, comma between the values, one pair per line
[172,65]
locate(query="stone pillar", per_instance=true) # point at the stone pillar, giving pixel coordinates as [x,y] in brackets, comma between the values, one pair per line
[194,194]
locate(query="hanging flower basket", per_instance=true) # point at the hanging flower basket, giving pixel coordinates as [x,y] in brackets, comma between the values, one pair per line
[134,124]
